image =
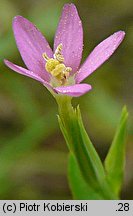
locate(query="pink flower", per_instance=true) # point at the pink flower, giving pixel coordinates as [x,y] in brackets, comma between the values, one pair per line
[59,70]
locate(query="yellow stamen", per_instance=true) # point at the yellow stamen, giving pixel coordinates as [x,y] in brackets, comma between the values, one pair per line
[51,64]
[44,55]
[59,69]
[58,53]
[56,67]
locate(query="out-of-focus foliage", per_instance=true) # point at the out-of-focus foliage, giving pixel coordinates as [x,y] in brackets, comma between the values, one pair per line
[33,154]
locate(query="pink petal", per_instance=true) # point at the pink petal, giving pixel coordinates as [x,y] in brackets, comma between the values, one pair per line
[31,45]
[23,71]
[74,90]
[99,55]
[70,34]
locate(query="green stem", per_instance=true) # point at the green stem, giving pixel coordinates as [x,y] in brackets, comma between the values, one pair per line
[66,113]
[81,147]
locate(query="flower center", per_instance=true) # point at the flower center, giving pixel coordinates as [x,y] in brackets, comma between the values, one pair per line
[56,67]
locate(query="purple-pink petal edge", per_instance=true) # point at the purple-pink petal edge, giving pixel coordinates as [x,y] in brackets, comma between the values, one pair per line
[74,90]
[70,34]
[23,71]
[99,55]
[31,44]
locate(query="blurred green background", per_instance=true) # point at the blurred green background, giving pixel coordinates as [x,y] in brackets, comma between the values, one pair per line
[33,153]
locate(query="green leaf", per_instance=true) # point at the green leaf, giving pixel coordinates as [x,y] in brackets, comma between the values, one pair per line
[94,162]
[92,154]
[64,131]
[80,145]
[115,160]
[79,187]
[83,150]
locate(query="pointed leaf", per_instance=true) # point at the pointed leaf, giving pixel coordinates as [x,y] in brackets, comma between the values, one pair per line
[98,167]
[81,146]
[83,150]
[115,160]
[94,162]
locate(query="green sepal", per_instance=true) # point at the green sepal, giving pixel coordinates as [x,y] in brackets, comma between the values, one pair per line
[115,160]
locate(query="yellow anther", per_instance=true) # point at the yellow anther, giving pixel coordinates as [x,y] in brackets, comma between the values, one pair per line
[68,69]
[51,65]
[58,53]
[59,69]
[44,55]
[56,67]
